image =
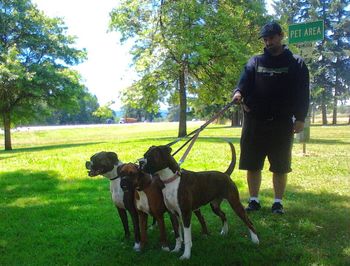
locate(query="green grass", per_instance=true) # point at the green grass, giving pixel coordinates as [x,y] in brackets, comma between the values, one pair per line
[52,213]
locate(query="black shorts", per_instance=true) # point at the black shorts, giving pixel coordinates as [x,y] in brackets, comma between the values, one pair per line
[266,137]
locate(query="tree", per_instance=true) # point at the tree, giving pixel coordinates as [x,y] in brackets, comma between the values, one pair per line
[194,48]
[329,60]
[87,105]
[35,55]
[104,112]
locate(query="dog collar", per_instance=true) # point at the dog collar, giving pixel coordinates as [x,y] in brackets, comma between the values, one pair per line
[171,179]
[114,178]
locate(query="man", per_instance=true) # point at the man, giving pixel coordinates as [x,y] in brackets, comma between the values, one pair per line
[274,92]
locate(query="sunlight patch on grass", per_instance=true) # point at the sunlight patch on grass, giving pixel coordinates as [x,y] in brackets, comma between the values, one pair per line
[3,243]
[28,202]
[346,251]
[307,226]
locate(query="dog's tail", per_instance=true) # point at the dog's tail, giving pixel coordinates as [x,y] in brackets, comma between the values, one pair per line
[233,159]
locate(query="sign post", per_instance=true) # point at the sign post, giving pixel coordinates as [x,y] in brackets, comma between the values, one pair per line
[301,33]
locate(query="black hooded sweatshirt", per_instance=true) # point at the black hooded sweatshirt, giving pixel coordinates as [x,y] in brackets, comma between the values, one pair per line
[276,86]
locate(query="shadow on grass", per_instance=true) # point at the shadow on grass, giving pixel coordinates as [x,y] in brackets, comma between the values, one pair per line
[329,141]
[48,147]
[166,140]
[47,220]
[330,125]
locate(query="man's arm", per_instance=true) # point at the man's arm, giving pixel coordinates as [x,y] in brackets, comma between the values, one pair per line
[245,82]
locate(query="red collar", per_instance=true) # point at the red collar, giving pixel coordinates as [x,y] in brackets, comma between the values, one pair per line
[171,179]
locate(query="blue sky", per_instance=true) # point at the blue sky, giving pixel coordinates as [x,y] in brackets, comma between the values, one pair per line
[107,70]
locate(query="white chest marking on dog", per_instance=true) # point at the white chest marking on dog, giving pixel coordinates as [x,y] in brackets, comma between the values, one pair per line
[116,190]
[117,193]
[142,202]
[170,190]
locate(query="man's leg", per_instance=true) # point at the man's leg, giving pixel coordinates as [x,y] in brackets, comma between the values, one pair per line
[254,182]
[279,186]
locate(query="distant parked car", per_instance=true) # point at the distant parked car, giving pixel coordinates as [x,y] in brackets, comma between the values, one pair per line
[124,120]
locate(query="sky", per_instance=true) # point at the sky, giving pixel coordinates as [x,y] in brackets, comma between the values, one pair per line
[108,68]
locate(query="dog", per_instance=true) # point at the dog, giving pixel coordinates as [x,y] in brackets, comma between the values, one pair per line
[106,164]
[149,200]
[186,191]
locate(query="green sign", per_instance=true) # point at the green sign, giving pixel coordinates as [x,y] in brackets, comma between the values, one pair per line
[306,32]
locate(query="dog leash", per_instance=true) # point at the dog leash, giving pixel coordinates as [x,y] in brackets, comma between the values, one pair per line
[196,132]
[188,149]
[204,125]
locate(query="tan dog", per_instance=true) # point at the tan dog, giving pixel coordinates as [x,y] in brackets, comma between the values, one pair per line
[186,191]
[149,201]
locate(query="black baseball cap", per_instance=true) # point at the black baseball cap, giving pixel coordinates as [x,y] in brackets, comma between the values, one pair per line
[270,29]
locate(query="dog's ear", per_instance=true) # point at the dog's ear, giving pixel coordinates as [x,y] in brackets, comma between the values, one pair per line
[148,151]
[165,149]
[166,152]
[112,156]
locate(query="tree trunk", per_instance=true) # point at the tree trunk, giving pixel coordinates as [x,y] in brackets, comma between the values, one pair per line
[183,102]
[313,113]
[7,130]
[335,100]
[324,110]
[334,121]
[236,118]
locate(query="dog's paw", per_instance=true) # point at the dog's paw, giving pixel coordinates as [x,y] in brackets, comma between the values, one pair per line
[165,248]
[177,245]
[185,257]
[224,229]
[137,247]
[175,250]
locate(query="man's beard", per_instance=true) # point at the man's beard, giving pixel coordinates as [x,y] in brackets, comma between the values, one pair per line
[273,49]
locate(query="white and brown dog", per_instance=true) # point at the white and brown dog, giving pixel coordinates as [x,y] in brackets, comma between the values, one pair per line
[149,201]
[186,191]
[106,164]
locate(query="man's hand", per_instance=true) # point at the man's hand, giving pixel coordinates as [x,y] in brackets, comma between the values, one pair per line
[237,97]
[298,126]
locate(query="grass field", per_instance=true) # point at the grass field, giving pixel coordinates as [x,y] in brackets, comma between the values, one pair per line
[52,213]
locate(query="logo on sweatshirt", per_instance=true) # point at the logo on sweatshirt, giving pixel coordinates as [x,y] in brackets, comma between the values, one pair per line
[272,71]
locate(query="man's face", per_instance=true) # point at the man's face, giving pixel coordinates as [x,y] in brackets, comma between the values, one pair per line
[273,43]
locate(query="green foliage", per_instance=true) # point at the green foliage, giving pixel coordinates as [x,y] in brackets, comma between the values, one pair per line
[52,213]
[87,105]
[35,55]
[104,112]
[328,60]
[207,41]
